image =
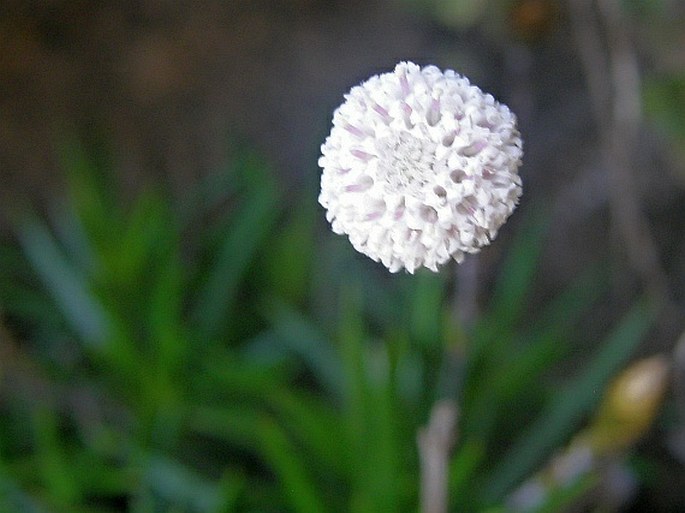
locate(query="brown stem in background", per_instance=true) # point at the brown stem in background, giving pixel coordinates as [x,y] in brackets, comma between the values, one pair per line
[613,79]
[435,443]
[466,298]
[676,438]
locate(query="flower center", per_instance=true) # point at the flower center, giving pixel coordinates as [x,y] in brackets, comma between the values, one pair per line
[406,163]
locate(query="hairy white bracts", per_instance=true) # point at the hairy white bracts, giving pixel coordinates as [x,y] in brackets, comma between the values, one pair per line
[420,167]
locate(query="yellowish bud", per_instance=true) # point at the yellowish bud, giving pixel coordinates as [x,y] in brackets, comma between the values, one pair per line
[630,405]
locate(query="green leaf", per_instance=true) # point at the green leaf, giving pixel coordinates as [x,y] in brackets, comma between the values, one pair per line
[463,470]
[54,466]
[19,295]
[377,452]
[179,486]
[386,452]
[297,485]
[293,244]
[491,339]
[316,426]
[225,376]
[230,488]
[250,228]
[563,498]
[13,498]
[131,253]
[544,342]
[210,193]
[665,101]
[165,315]
[71,235]
[235,424]
[425,319]
[91,189]
[300,337]
[351,340]
[69,289]
[517,276]
[569,406]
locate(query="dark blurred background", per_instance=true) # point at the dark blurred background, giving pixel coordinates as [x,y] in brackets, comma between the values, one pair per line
[172,86]
[171,92]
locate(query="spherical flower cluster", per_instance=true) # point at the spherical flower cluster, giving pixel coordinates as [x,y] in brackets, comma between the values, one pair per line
[420,167]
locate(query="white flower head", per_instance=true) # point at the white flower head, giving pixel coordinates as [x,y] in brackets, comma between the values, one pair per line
[420,167]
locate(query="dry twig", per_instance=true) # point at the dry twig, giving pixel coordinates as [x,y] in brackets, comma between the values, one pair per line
[613,78]
[435,443]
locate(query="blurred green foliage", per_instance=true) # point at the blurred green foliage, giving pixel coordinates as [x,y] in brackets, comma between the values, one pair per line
[215,356]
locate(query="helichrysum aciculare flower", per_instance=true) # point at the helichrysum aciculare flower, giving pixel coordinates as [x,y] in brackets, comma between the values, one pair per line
[420,167]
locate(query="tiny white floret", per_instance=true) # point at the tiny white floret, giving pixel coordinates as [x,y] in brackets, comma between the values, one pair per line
[420,167]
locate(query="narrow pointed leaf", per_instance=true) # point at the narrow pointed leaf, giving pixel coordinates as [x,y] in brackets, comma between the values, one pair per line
[296,484]
[68,288]
[570,405]
[253,222]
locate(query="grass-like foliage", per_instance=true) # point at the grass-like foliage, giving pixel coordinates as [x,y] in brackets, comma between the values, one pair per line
[216,356]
